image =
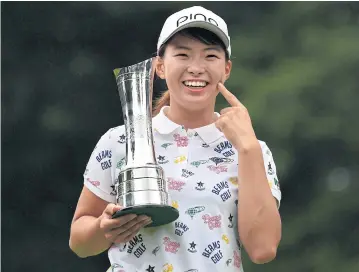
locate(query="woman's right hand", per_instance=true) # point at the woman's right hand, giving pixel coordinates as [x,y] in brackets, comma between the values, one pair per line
[121,229]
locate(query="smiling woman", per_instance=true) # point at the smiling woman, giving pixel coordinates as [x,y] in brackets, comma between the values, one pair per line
[184,44]
[192,61]
[206,157]
[192,50]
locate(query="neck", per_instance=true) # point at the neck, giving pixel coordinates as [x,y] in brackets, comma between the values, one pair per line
[191,119]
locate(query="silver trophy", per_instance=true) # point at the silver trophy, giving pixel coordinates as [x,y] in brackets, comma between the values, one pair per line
[141,187]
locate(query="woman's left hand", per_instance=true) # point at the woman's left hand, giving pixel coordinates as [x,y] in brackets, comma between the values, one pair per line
[235,122]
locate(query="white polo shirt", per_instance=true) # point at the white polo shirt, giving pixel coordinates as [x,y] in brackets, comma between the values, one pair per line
[201,170]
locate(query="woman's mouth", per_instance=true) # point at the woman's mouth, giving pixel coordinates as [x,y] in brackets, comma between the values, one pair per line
[195,86]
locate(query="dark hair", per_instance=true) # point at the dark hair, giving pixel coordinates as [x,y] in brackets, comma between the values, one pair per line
[203,35]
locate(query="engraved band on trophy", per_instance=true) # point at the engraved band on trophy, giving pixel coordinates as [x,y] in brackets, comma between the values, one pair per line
[141,187]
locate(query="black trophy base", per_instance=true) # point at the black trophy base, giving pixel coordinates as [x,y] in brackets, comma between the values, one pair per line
[160,214]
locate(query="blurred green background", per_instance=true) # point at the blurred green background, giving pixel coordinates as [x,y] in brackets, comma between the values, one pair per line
[296,68]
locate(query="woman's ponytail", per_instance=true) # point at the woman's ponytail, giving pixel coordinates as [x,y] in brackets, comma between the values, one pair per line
[164,100]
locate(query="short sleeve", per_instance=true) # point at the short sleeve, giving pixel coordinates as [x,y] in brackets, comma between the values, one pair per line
[98,173]
[271,172]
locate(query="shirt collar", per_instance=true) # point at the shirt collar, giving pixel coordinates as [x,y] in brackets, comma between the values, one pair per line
[163,125]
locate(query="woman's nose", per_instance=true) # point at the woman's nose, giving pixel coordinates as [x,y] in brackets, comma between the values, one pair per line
[196,68]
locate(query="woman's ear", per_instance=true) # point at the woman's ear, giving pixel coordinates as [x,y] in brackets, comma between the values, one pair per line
[227,70]
[160,69]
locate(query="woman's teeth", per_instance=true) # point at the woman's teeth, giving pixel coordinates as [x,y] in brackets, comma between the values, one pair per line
[195,83]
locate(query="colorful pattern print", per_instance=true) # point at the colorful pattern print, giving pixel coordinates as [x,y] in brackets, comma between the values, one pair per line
[175,184]
[181,141]
[218,169]
[95,183]
[170,246]
[198,163]
[212,221]
[202,182]
[237,259]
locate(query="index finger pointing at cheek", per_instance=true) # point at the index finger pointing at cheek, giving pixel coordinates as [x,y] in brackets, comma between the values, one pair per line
[232,100]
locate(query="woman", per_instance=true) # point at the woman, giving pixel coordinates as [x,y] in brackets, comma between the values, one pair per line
[220,177]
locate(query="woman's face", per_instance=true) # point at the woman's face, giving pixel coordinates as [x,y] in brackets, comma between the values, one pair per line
[192,71]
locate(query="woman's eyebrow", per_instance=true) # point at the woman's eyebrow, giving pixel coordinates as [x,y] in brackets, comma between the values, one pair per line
[178,46]
[216,48]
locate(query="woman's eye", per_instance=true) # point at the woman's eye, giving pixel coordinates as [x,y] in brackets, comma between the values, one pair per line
[181,55]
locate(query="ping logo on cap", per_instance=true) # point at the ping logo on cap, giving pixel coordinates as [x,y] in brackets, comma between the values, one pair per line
[195,16]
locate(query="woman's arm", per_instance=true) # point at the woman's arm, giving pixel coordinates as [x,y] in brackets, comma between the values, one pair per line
[259,222]
[86,237]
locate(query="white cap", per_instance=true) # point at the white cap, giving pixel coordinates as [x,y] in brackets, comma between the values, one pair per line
[195,17]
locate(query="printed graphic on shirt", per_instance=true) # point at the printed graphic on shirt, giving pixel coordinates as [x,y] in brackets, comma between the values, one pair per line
[95,183]
[276,183]
[195,210]
[237,259]
[150,268]
[180,228]
[113,192]
[165,145]
[104,158]
[116,265]
[236,202]
[122,139]
[176,185]
[228,262]
[175,204]
[213,222]
[217,160]
[238,244]
[162,159]
[181,141]
[186,173]
[222,189]
[192,247]
[270,170]
[224,148]
[225,239]
[200,186]
[213,251]
[155,250]
[198,163]
[180,159]
[191,270]
[233,180]
[218,169]
[122,248]
[121,163]
[136,246]
[230,219]
[167,268]
[205,145]
[171,246]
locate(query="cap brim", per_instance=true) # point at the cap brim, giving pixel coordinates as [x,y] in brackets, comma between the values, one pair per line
[205,25]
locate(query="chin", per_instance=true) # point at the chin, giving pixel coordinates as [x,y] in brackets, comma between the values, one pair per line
[196,102]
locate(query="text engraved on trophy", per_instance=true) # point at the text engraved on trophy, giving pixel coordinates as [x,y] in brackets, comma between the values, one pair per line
[138,127]
[132,76]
